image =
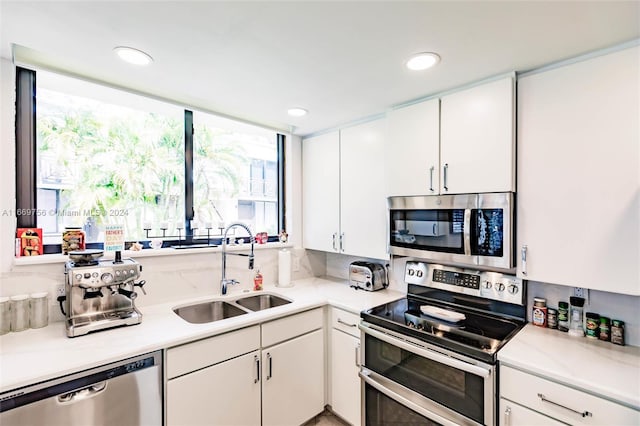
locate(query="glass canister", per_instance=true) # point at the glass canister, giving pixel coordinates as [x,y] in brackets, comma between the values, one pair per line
[19,312]
[575,316]
[72,240]
[39,310]
[5,315]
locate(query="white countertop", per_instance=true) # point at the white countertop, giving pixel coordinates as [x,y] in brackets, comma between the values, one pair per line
[600,368]
[36,355]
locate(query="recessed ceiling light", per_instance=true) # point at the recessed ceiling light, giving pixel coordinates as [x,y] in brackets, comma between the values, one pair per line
[422,61]
[133,56]
[297,112]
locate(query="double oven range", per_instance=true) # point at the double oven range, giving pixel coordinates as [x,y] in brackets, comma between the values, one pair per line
[430,359]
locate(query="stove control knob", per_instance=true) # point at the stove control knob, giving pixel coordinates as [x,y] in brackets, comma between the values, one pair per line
[513,289]
[500,287]
[107,278]
[488,284]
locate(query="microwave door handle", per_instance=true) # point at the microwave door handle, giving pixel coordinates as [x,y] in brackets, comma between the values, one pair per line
[467,232]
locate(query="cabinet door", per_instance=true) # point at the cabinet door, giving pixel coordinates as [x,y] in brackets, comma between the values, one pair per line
[223,394]
[321,192]
[293,380]
[345,382]
[578,174]
[477,149]
[512,414]
[363,204]
[412,149]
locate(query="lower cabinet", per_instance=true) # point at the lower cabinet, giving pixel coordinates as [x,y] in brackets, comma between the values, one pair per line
[527,399]
[345,366]
[269,374]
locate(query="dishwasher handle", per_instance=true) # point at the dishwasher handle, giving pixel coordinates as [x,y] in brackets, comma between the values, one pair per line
[82,394]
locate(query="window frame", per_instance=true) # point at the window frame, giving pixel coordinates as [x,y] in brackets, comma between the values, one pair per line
[26,169]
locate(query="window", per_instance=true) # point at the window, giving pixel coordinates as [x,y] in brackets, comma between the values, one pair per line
[104,156]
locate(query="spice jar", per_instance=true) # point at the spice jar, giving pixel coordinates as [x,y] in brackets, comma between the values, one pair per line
[617,332]
[563,316]
[539,314]
[552,318]
[592,325]
[604,329]
[575,325]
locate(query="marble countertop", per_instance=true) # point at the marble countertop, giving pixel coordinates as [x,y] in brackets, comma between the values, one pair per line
[600,368]
[37,355]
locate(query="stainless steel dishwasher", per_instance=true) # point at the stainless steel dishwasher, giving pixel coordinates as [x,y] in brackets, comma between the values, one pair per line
[127,392]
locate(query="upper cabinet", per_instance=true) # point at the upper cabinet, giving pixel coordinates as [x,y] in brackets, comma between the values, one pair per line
[477,149]
[461,143]
[413,149]
[579,176]
[344,204]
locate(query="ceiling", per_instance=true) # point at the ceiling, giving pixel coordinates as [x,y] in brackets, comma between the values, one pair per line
[340,60]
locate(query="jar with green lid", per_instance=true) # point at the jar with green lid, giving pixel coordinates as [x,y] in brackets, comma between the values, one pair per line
[563,316]
[592,325]
[604,329]
[617,332]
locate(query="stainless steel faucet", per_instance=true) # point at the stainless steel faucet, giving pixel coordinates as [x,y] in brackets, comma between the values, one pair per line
[224,282]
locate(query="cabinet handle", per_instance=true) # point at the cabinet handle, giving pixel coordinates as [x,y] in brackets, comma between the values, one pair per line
[269,374]
[523,255]
[507,417]
[445,174]
[358,355]
[334,241]
[431,170]
[256,359]
[342,242]
[347,323]
[581,413]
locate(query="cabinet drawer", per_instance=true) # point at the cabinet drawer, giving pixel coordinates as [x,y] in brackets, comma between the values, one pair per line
[561,402]
[203,353]
[345,321]
[286,328]
[512,414]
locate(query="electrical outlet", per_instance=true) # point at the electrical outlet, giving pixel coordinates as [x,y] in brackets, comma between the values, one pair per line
[578,291]
[60,290]
[295,264]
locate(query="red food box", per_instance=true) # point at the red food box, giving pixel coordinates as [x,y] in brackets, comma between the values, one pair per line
[30,240]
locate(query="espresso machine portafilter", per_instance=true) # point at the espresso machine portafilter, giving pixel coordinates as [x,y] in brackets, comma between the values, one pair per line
[100,293]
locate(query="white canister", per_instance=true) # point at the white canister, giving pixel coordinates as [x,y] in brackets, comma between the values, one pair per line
[5,315]
[284,268]
[19,312]
[39,310]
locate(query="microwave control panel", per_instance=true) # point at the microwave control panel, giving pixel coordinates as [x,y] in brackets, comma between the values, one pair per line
[489,285]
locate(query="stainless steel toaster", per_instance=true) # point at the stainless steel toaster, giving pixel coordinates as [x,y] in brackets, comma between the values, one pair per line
[368,276]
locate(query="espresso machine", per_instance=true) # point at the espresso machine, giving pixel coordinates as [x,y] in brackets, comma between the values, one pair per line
[100,293]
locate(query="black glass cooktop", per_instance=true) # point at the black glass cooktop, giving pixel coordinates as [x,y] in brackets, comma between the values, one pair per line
[479,335]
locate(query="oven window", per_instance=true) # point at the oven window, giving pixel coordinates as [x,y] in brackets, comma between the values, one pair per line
[487,232]
[455,389]
[435,230]
[382,410]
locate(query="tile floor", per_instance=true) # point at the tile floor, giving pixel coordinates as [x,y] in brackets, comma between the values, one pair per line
[326,418]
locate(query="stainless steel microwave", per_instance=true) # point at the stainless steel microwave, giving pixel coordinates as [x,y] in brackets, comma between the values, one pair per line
[464,229]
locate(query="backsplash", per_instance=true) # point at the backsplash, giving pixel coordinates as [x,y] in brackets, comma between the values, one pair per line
[169,278]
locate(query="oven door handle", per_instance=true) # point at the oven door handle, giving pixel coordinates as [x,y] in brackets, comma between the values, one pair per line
[427,353]
[407,398]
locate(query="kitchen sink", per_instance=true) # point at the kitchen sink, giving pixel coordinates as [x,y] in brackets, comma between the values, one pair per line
[208,312]
[262,301]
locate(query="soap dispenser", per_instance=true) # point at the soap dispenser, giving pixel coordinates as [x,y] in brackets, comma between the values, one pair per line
[257,281]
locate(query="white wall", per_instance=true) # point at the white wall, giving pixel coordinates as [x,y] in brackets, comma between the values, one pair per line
[7,164]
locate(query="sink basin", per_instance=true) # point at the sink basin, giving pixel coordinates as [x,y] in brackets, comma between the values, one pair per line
[208,312]
[262,301]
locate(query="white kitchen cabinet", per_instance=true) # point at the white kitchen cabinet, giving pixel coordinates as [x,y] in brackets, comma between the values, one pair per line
[345,366]
[557,401]
[513,414]
[227,393]
[321,192]
[477,139]
[293,380]
[412,149]
[344,204]
[578,174]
